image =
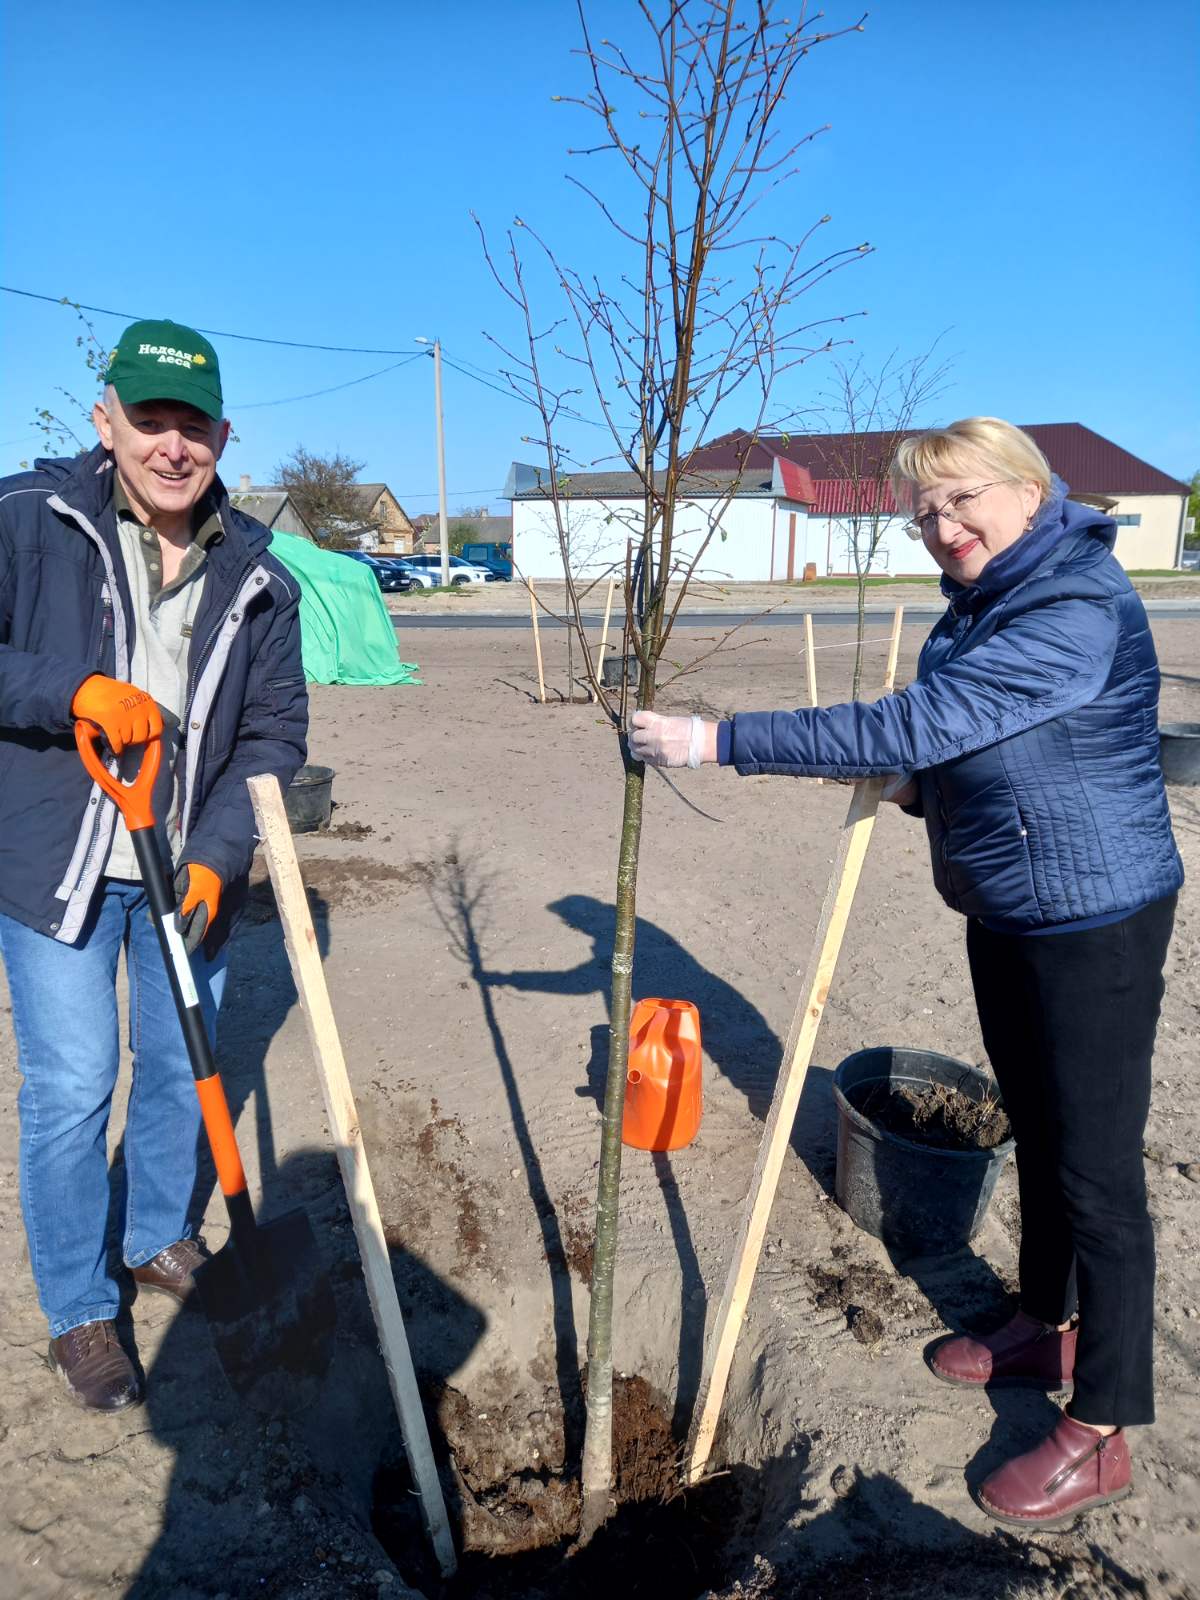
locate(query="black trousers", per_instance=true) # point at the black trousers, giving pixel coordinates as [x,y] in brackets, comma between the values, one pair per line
[1069,1021]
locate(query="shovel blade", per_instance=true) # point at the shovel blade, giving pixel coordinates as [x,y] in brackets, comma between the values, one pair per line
[270,1311]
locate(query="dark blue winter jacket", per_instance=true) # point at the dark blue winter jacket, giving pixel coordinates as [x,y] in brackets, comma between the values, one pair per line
[1032,728]
[65,613]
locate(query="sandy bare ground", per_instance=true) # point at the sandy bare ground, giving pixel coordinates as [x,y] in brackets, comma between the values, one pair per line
[506,598]
[464,906]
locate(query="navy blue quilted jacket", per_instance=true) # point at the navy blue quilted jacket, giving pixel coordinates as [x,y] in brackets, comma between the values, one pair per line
[65,613]
[1032,728]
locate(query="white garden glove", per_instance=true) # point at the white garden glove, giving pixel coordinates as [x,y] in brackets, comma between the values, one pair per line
[901,788]
[666,741]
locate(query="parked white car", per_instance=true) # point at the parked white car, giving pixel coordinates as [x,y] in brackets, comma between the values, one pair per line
[427,571]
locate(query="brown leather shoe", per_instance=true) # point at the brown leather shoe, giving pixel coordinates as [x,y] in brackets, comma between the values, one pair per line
[170,1271]
[1023,1353]
[1074,1470]
[96,1371]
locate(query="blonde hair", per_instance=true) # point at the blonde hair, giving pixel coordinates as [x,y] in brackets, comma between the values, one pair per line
[985,444]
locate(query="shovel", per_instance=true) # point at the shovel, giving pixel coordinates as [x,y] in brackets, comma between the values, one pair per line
[267,1299]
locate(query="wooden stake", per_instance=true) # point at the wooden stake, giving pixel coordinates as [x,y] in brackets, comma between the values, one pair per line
[612,584]
[810,659]
[889,678]
[301,941]
[537,641]
[802,1037]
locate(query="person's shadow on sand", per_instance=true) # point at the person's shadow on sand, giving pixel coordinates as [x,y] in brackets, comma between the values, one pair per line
[254,1493]
[240,1507]
[737,1037]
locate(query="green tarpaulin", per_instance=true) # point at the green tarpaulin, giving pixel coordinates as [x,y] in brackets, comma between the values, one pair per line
[346,631]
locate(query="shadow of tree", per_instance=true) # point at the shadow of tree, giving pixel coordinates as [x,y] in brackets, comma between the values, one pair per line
[460,902]
[267,1504]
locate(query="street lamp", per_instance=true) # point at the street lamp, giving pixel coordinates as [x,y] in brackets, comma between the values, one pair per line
[443,528]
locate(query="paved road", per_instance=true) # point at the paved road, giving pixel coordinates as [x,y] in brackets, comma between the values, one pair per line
[727,619]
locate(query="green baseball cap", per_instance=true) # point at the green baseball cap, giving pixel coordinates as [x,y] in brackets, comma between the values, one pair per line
[166,361]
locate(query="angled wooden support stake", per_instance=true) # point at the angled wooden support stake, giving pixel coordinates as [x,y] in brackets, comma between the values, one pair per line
[798,1052]
[304,957]
[612,584]
[537,641]
[810,661]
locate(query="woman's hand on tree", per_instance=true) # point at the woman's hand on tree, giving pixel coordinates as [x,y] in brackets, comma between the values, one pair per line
[672,741]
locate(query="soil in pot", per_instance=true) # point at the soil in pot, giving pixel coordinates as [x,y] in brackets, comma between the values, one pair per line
[934,1115]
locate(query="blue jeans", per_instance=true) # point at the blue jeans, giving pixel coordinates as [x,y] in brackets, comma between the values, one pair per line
[64,1009]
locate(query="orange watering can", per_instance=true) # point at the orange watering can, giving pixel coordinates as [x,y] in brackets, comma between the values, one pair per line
[664,1097]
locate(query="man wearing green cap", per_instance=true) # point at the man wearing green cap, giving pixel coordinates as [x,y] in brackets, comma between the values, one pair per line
[133,596]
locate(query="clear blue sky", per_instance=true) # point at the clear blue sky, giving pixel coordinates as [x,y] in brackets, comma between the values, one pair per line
[1027,174]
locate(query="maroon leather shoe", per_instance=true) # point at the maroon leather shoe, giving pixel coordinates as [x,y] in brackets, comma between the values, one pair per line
[170,1271]
[95,1371]
[1023,1353]
[1074,1470]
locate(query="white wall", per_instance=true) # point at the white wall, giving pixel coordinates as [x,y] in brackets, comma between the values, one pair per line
[830,547]
[1154,543]
[756,538]
[598,531]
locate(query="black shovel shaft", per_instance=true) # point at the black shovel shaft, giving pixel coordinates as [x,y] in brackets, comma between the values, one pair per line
[218,1124]
[179,971]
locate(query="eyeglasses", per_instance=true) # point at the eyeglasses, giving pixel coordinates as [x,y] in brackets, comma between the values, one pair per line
[955,509]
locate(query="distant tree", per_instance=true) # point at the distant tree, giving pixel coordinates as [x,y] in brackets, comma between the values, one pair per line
[325,491]
[76,435]
[1193,510]
[460,533]
[870,411]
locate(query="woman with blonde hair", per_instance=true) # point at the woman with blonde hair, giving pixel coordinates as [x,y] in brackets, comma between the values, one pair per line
[1029,745]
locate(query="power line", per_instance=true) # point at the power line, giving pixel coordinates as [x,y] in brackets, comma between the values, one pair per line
[213,333]
[300,344]
[513,394]
[258,405]
[432,494]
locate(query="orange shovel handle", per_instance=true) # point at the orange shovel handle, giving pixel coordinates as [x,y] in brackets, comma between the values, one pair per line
[133,799]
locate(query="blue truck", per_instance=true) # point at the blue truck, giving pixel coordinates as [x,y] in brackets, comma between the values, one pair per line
[495,558]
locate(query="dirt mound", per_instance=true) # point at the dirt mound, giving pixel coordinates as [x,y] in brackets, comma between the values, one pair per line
[935,1115]
[863,1292]
[345,883]
[348,830]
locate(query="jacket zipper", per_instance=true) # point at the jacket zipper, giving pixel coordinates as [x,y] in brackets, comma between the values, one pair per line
[943,846]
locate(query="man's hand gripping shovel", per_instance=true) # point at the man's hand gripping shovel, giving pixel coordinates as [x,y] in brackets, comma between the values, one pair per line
[266,1296]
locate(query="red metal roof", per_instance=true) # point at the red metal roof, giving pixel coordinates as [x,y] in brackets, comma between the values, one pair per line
[1085,460]
[792,481]
[835,497]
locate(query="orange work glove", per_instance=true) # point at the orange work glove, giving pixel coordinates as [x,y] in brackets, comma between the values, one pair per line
[198,891]
[122,712]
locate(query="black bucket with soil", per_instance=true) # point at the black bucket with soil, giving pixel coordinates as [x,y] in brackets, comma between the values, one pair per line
[1179,752]
[309,800]
[616,669]
[921,1140]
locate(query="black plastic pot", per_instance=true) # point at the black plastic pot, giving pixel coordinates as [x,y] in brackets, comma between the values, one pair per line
[309,801]
[616,666]
[1179,751]
[918,1199]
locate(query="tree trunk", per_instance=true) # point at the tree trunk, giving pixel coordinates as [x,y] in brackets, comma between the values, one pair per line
[597,1443]
[862,627]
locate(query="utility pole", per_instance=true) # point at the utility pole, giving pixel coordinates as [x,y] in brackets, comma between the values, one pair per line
[443,526]
[443,529]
